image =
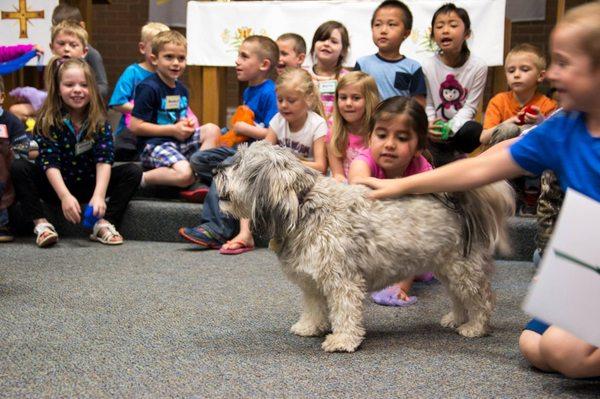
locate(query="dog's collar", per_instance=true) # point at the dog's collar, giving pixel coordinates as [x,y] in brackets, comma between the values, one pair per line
[451,202]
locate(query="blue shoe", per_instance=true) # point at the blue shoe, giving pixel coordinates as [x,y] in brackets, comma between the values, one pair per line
[200,236]
[5,235]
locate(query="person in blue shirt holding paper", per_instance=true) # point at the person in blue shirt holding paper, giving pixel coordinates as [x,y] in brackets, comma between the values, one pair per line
[568,144]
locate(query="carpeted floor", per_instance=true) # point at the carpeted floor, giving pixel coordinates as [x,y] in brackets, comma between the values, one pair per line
[162,320]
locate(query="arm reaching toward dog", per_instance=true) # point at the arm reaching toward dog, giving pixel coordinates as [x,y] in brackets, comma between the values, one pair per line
[457,176]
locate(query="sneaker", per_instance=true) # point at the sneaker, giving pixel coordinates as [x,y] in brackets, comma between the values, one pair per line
[200,236]
[195,195]
[5,234]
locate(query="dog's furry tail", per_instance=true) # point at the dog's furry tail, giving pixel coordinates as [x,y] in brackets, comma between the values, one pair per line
[486,211]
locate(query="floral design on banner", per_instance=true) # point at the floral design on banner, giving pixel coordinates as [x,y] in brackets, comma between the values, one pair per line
[236,38]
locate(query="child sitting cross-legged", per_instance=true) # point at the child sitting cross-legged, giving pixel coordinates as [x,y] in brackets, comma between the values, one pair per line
[397,140]
[166,135]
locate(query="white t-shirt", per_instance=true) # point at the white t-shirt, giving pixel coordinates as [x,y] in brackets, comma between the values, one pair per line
[300,142]
[453,94]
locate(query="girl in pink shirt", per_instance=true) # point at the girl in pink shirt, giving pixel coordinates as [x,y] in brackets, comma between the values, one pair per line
[396,146]
[356,97]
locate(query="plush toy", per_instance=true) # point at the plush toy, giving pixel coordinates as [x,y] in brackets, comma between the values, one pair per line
[89,220]
[231,138]
[527,110]
[444,128]
[32,95]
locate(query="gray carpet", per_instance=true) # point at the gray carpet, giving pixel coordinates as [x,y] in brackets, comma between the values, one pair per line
[162,320]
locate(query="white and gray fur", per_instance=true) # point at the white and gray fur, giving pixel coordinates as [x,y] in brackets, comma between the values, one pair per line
[337,245]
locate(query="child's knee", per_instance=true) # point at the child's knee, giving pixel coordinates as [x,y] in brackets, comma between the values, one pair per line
[529,344]
[210,130]
[185,174]
[559,348]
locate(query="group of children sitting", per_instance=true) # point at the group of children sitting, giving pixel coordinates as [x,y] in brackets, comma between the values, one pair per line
[389,118]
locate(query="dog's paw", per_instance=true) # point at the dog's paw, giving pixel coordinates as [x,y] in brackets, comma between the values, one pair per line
[472,330]
[449,321]
[341,343]
[304,329]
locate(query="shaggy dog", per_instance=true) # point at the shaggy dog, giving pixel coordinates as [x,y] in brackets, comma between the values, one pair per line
[337,245]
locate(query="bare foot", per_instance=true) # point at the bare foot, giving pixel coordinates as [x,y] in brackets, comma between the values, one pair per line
[241,240]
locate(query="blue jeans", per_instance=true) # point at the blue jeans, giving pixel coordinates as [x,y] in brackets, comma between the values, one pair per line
[221,226]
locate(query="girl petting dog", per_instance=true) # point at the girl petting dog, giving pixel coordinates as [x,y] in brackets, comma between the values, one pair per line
[74,163]
[396,143]
[572,135]
[299,125]
[356,97]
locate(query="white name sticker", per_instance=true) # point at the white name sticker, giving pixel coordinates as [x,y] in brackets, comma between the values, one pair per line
[327,86]
[172,102]
[84,146]
[3,131]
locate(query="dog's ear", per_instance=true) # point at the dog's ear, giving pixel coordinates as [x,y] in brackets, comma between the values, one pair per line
[275,207]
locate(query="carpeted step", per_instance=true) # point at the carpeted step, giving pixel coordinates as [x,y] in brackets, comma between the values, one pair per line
[155,220]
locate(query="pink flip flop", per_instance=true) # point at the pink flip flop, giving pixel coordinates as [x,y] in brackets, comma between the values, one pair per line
[236,251]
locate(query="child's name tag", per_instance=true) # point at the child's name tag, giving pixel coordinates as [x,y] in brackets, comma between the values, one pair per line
[3,131]
[172,102]
[84,146]
[327,86]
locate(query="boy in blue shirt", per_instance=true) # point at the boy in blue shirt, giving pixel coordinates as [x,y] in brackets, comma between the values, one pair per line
[394,74]
[256,62]
[568,144]
[124,92]
[166,135]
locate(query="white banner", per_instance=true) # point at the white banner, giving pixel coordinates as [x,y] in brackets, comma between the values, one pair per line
[215,30]
[567,290]
[173,12]
[27,22]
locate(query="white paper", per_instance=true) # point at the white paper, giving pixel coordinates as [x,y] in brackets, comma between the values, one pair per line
[567,290]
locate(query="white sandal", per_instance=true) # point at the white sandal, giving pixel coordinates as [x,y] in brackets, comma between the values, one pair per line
[109,233]
[46,235]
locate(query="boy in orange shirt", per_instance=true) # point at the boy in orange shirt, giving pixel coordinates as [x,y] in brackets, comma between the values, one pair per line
[525,67]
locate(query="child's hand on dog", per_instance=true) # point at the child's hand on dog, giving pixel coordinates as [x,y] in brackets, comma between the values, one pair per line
[382,188]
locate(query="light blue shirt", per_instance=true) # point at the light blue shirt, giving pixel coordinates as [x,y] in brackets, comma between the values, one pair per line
[402,77]
[125,89]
